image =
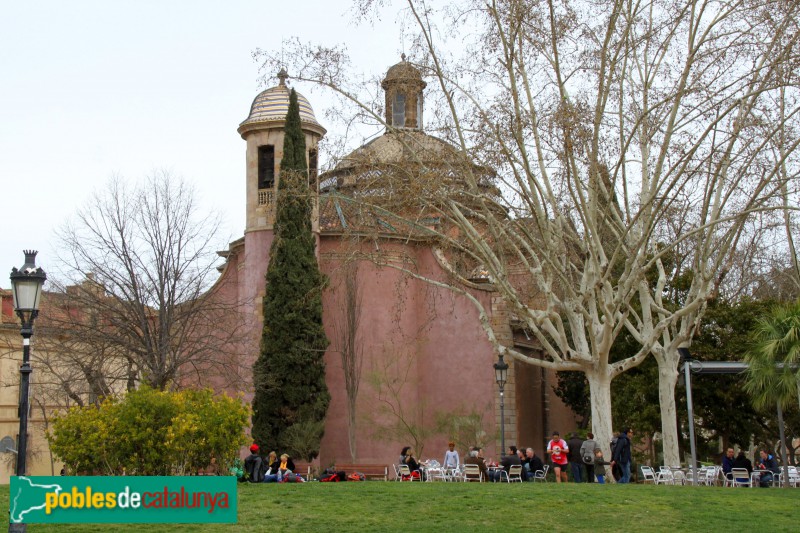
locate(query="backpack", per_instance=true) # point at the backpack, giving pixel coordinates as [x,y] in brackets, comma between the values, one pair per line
[355,476]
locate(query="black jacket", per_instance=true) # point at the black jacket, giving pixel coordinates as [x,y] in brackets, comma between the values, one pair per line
[254,466]
[510,460]
[622,451]
[574,444]
[534,463]
[743,462]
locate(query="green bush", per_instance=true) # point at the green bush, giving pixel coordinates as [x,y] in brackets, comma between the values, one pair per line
[150,433]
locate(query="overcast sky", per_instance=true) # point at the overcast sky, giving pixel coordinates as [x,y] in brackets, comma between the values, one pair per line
[93,89]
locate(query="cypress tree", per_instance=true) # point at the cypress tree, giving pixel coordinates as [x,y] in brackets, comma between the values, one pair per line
[291,397]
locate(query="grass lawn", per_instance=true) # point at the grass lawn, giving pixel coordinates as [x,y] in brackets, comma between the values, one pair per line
[390,506]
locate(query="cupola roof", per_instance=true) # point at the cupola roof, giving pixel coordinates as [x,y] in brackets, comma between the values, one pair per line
[269,109]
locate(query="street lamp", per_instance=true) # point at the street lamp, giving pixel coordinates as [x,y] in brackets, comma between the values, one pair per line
[501,376]
[26,285]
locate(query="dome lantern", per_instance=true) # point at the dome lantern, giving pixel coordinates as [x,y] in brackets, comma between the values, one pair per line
[404,102]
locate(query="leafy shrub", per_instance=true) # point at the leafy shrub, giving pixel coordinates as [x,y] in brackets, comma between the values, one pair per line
[150,432]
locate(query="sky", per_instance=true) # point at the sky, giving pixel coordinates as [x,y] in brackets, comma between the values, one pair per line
[92,89]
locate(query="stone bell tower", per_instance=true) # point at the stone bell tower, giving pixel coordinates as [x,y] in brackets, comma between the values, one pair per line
[263,131]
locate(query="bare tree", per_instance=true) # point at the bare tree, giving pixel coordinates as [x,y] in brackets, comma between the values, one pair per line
[148,311]
[350,346]
[399,415]
[632,143]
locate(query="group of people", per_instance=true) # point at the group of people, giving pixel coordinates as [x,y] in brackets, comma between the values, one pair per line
[527,459]
[271,470]
[586,457]
[765,462]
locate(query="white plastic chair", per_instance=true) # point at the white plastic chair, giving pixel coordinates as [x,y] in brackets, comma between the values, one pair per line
[405,471]
[740,478]
[473,473]
[665,476]
[515,473]
[794,477]
[648,475]
[541,475]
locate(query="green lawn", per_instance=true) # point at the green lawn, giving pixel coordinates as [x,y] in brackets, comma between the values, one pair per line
[390,506]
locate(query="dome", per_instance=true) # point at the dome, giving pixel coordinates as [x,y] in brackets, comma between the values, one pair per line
[271,106]
[403,71]
[400,150]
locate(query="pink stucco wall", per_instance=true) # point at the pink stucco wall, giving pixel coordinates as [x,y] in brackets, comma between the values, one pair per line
[433,331]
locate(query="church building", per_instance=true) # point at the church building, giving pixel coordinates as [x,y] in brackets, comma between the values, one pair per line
[408,362]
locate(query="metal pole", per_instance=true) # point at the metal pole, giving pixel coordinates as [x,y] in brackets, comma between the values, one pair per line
[24,387]
[502,423]
[784,453]
[688,376]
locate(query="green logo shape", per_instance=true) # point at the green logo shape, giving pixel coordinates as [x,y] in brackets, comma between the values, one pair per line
[122,499]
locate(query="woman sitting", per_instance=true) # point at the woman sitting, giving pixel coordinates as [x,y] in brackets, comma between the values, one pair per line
[286,469]
[412,463]
[272,468]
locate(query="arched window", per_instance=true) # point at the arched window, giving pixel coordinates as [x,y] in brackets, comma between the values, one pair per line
[266,167]
[419,111]
[399,110]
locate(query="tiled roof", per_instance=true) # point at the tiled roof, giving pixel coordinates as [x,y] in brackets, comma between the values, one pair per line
[271,106]
[340,214]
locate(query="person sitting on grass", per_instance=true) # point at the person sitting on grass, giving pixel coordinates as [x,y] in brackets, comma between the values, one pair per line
[285,469]
[272,468]
[600,466]
[254,465]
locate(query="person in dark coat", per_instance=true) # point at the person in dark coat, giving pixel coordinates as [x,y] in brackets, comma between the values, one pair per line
[254,465]
[767,462]
[508,460]
[532,463]
[575,460]
[742,461]
[622,455]
[727,462]
[473,459]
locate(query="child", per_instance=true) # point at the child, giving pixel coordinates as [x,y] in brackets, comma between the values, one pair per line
[599,466]
[451,459]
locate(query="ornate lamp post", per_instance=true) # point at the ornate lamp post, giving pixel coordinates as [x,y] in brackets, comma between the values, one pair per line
[26,285]
[501,376]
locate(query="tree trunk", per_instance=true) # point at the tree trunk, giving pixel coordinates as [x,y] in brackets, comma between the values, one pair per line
[667,378]
[351,428]
[600,394]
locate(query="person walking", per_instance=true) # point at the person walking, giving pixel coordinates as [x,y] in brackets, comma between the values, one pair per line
[622,455]
[599,466]
[587,455]
[575,460]
[557,449]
